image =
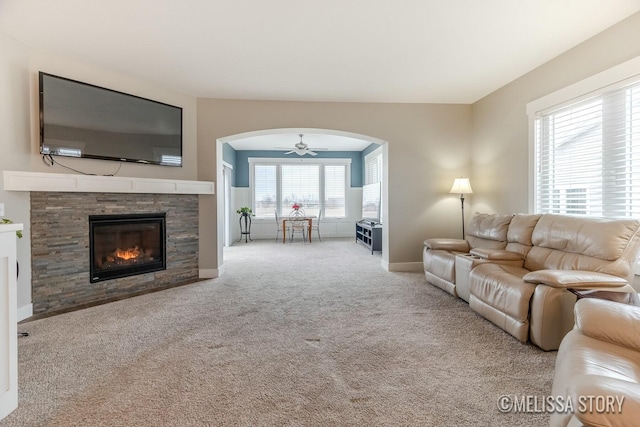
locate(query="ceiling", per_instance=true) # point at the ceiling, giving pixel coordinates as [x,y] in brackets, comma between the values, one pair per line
[407,51]
[416,51]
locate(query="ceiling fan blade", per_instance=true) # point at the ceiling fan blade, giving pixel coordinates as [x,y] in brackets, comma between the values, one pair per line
[290,152]
[311,152]
[318,149]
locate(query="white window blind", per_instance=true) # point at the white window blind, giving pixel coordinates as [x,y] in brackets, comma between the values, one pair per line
[301,185]
[265,190]
[335,204]
[318,184]
[588,155]
[373,167]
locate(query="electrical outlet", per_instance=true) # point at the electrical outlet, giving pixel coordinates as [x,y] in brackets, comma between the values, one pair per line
[1,209]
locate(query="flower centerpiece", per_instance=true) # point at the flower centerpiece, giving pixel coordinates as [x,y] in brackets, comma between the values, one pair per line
[296,206]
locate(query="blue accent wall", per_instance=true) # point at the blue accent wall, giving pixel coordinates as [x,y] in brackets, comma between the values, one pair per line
[241,166]
[229,156]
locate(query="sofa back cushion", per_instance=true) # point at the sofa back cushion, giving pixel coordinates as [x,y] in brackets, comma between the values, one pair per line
[574,243]
[520,232]
[488,231]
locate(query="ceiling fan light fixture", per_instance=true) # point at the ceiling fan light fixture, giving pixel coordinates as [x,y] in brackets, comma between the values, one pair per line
[301,148]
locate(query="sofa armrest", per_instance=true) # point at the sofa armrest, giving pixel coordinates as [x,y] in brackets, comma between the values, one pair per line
[497,254]
[455,245]
[588,393]
[609,321]
[580,279]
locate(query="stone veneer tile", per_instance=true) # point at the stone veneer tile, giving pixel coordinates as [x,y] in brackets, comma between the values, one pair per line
[60,246]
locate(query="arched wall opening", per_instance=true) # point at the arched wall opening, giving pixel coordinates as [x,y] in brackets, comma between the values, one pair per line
[222,210]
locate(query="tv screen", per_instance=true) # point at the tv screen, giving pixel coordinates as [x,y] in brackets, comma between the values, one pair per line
[371,202]
[82,120]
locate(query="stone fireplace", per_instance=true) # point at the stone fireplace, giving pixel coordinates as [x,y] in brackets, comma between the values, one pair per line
[126,245]
[64,267]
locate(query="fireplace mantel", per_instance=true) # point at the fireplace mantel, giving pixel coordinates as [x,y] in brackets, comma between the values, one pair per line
[69,183]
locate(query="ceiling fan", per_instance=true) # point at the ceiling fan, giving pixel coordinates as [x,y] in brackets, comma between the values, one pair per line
[301,149]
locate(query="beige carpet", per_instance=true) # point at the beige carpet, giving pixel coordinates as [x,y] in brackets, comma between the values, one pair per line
[291,335]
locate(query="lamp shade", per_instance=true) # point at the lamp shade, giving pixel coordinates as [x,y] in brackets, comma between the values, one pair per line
[461,186]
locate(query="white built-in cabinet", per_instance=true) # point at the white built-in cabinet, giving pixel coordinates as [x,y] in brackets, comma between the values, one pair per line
[8,320]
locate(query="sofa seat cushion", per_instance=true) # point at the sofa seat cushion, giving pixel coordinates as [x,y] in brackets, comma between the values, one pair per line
[501,287]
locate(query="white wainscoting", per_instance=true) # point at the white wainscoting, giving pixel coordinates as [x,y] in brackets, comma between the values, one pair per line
[266,228]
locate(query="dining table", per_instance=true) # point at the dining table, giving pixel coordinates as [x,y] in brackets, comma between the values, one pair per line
[297,218]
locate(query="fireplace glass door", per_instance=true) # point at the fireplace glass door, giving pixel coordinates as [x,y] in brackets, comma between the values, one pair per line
[125,245]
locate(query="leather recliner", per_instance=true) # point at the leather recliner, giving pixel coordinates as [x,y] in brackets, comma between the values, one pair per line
[439,255]
[532,301]
[599,362]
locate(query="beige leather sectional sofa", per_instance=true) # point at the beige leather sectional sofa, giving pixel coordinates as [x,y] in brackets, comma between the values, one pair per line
[598,367]
[515,270]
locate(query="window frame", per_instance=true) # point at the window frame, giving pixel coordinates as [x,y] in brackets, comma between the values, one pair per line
[596,85]
[371,160]
[278,162]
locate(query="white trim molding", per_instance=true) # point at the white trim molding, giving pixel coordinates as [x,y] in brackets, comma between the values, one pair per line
[407,267]
[25,312]
[208,273]
[39,181]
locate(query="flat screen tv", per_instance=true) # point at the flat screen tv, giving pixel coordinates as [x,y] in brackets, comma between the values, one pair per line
[82,120]
[371,202]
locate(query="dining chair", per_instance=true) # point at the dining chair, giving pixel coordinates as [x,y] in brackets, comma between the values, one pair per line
[315,224]
[300,224]
[279,225]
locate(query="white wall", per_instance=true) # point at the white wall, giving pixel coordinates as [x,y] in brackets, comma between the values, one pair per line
[16,151]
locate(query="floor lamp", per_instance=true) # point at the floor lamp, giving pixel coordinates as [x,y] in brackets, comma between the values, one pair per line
[461,186]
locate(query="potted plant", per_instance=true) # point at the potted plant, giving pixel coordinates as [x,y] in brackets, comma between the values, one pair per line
[245,211]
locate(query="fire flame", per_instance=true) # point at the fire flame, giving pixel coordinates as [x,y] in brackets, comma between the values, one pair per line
[127,254]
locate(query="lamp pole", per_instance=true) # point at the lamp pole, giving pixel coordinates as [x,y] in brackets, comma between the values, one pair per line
[462,206]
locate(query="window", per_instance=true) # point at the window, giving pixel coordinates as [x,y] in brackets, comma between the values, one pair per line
[265,190]
[587,154]
[315,184]
[300,184]
[373,175]
[373,167]
[335,184]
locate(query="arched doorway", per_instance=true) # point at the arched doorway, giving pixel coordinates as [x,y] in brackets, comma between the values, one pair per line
[223,209]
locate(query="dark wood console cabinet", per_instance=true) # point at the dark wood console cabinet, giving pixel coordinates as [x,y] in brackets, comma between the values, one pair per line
[369,234]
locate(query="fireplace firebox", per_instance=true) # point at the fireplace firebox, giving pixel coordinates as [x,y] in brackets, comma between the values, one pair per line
[126,245]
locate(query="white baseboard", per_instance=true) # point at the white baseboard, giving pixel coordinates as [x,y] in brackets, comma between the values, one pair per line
[25,312]
[405,266]
[208,273]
